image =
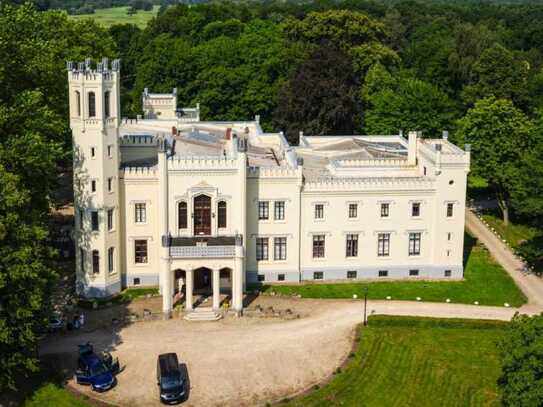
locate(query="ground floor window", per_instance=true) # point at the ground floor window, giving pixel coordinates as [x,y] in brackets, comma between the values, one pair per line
[383,273]
[318,275]
[261,248]
[281,277]
[413,273]
[351,274]
[136,281]
[448,273]
[261,277]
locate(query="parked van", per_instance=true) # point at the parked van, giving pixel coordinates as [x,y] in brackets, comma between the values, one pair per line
[172,385]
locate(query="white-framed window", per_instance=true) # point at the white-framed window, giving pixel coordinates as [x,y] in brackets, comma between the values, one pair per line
[92,104]
[262,248]
[279,248]
[318,246]
[383,244]
[263,210]
[140,212]
[110,220]
[221,214]
[95,221]
[111,260]
[318,275]
[351,245]
[385,210]
[182,215]
[351,274]
[319,211]
[414,243]
[110,151]
[140,251]
[95,262]
[353,211]
[279,210]
[93,152]
[415,209]
[450,209]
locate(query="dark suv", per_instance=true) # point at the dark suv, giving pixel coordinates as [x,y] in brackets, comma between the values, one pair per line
[172,385]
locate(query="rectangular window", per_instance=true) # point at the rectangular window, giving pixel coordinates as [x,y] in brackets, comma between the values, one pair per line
[279,210]
[414,272]
[110,259]
[93,152]
[383,273]
[414,244]
[140,251]
[261,248]
[415,209]
[93,185]
[81,218]
[136,281]
[448,273]
[449,210]
[263,210]
[351,274]
[352,245]
[383,244]
[280,277]
[94,221]
[261,278]
[280,248]
[110,219]
[385,207]
[353,210]
[110,151]
[318,246]
[95,262]
[318,275]
[106,104]
[141,213]
[82,259]
[319,211]
[424,170]
[110,184]
[449,236]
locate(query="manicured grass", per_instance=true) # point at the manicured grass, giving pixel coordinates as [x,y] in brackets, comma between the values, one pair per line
[124,297]
[51,395]
[118,15]
[405,361]
[484,281]
[514,234]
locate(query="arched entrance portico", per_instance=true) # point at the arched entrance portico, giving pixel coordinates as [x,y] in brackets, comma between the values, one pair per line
[202,280]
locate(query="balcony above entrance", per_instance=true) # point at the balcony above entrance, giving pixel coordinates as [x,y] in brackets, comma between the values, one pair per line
[204,246]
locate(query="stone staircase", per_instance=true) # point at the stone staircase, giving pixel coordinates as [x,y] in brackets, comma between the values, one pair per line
[203,314]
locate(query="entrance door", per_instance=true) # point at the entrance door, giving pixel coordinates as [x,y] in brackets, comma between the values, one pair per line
[202,215]
[202,279]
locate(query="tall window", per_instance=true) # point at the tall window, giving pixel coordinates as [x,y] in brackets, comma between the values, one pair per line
[450,210]
[110,151]
[82,218]
[353,210]
[318,246]
[279,210]
[93,186]
[221,209]
[263,210]
[82,259]
[78,103]
[140,251]
[182,215]
[383,244]
[280,248]
[94,221]
[110,184]
[110,219]
[95,262]
[106,104]
[415,209]
[110,259]
[319,211]
[261,248]
[414,244]
[92,104]
[351,249]
[141,213]
[385,210]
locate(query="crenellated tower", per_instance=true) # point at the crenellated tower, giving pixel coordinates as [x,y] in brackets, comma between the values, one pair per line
[94,95]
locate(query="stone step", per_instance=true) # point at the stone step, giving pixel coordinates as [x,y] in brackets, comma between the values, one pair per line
[203,314]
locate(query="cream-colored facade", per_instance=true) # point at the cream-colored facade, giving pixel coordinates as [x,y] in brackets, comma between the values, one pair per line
[169,200]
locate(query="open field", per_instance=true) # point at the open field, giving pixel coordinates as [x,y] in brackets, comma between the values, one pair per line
[118,15]
[485,281]
[406,361]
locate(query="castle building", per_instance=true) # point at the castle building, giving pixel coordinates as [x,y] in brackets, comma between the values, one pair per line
[169,200]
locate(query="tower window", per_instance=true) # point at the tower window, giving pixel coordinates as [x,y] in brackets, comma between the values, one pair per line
[93,152]
[221,209]
[353,211]
[319,211]
[94,221]
[110,184]
[95,262]
[415,209]
[279,210]
[78,103]
[263,210]
[449,210]
[182,215]
[110,259]
[82,259]
[92,104]
[140,213]
[93,185]
[385,210]
[110,219]
[106,104]
[110,151]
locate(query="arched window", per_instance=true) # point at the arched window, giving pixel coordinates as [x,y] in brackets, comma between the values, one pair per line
[92,104]
[222,214]
[106,104]
[182,215]
[78,103]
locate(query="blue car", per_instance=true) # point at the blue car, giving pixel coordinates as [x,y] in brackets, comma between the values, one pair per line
[98,372]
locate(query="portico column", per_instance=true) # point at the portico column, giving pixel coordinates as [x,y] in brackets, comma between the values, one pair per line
[188,289]
[216,289]
[237,286]
[164,266]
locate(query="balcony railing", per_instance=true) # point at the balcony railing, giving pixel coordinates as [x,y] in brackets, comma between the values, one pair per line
[208,246]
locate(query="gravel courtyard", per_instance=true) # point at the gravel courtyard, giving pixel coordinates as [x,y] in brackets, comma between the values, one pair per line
[233,362]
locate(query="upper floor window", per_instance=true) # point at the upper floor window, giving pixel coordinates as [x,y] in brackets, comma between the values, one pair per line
[106,103]
[92,104]
[78,103]
[279,210]
[450,207]
[319,211]
[385,210]
[110,184]
[95,262]
[110,259]
[140,251]
[280,248]
[140,213]
[82,259]
[353,210]
[94,221]
[263,210]
[351,249]
[415,209]
[414,244]
[110,151]
[182,215]
[82,218]
[221,209]
[93,185]
[110,219]
[261,248]
[93,152]
[383,244]
[318,246]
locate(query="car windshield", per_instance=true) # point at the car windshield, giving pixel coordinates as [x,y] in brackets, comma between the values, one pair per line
[98,369]
[171,382]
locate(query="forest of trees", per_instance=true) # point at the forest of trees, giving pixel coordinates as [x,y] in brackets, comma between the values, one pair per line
[377,67]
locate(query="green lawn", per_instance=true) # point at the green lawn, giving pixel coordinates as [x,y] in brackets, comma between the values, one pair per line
[123,297]
[485,281]
[51,395]
[406,361]
[515,234]
[118,15]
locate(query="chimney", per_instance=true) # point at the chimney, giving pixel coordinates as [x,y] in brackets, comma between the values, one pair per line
[412,148]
